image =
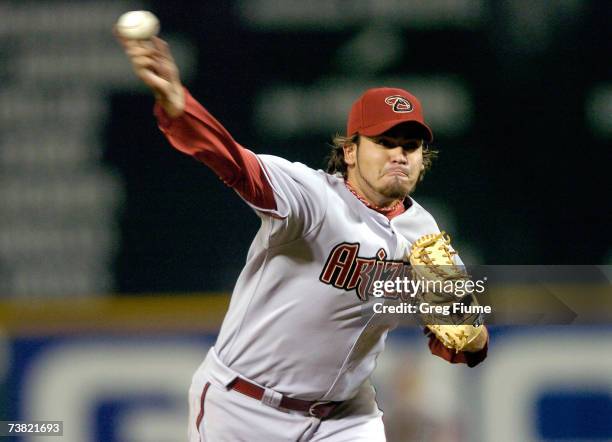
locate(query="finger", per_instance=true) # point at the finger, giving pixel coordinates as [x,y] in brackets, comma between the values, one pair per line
[130,44]
[167,67]
[163,47]
[158,84]
[138,51]
[145,63]
[166,70]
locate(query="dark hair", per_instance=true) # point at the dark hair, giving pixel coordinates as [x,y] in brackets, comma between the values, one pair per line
[336,163]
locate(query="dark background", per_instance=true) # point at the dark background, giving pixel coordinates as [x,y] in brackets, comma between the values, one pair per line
[528,181]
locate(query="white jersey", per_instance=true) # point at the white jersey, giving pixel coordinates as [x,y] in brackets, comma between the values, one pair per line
[300,319]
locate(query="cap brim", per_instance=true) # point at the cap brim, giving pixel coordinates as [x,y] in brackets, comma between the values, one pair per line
[380,128]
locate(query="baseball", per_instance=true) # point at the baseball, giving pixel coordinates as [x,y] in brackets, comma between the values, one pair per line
[138,25]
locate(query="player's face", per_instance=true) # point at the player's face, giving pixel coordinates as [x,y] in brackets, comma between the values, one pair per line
[385,168]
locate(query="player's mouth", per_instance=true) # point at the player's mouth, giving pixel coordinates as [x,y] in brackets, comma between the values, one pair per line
[397,171]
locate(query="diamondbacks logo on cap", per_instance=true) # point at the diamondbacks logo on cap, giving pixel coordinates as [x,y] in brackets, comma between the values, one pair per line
[399,104]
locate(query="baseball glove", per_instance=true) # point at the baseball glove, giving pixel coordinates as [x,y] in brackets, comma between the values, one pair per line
[432,260]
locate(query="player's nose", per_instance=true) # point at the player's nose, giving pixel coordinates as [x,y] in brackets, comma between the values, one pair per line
[398,155]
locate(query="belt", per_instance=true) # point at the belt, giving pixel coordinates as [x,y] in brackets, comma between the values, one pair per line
[318,409]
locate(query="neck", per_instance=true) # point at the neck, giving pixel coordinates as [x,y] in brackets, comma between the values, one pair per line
[385,205]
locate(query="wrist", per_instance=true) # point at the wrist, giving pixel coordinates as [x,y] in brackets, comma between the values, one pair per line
[174,103]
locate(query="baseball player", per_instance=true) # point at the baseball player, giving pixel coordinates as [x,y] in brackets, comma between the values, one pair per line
[300,339]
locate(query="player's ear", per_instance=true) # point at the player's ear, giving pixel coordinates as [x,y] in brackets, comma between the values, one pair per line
[350,153]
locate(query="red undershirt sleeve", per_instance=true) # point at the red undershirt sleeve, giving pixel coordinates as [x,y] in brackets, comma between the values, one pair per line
[198,134]
[463,357]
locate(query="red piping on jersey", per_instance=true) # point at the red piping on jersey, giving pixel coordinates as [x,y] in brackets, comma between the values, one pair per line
[201,415]
[390,212]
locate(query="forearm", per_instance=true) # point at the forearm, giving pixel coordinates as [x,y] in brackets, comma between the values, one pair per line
[198,134]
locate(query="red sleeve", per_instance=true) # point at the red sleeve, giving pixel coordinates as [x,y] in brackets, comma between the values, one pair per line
[463,357]
[198,134]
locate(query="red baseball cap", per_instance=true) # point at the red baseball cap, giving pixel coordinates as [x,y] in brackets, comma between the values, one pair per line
[380,109]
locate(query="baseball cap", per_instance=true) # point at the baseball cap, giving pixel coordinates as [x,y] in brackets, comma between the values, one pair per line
[380,109]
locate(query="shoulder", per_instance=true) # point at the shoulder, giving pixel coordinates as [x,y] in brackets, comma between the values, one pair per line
[282,170]
[415,221]
[417,210]
[301,195]
[280,162]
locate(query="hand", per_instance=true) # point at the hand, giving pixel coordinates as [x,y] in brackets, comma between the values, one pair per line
[153,63]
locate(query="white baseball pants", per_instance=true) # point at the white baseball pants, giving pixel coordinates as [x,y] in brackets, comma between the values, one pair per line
[217,414]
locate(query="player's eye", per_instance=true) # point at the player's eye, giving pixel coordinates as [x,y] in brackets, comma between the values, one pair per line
[393,143]
[384,142]
[412,145]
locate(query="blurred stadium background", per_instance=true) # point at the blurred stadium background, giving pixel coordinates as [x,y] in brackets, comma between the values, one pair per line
[117,253]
